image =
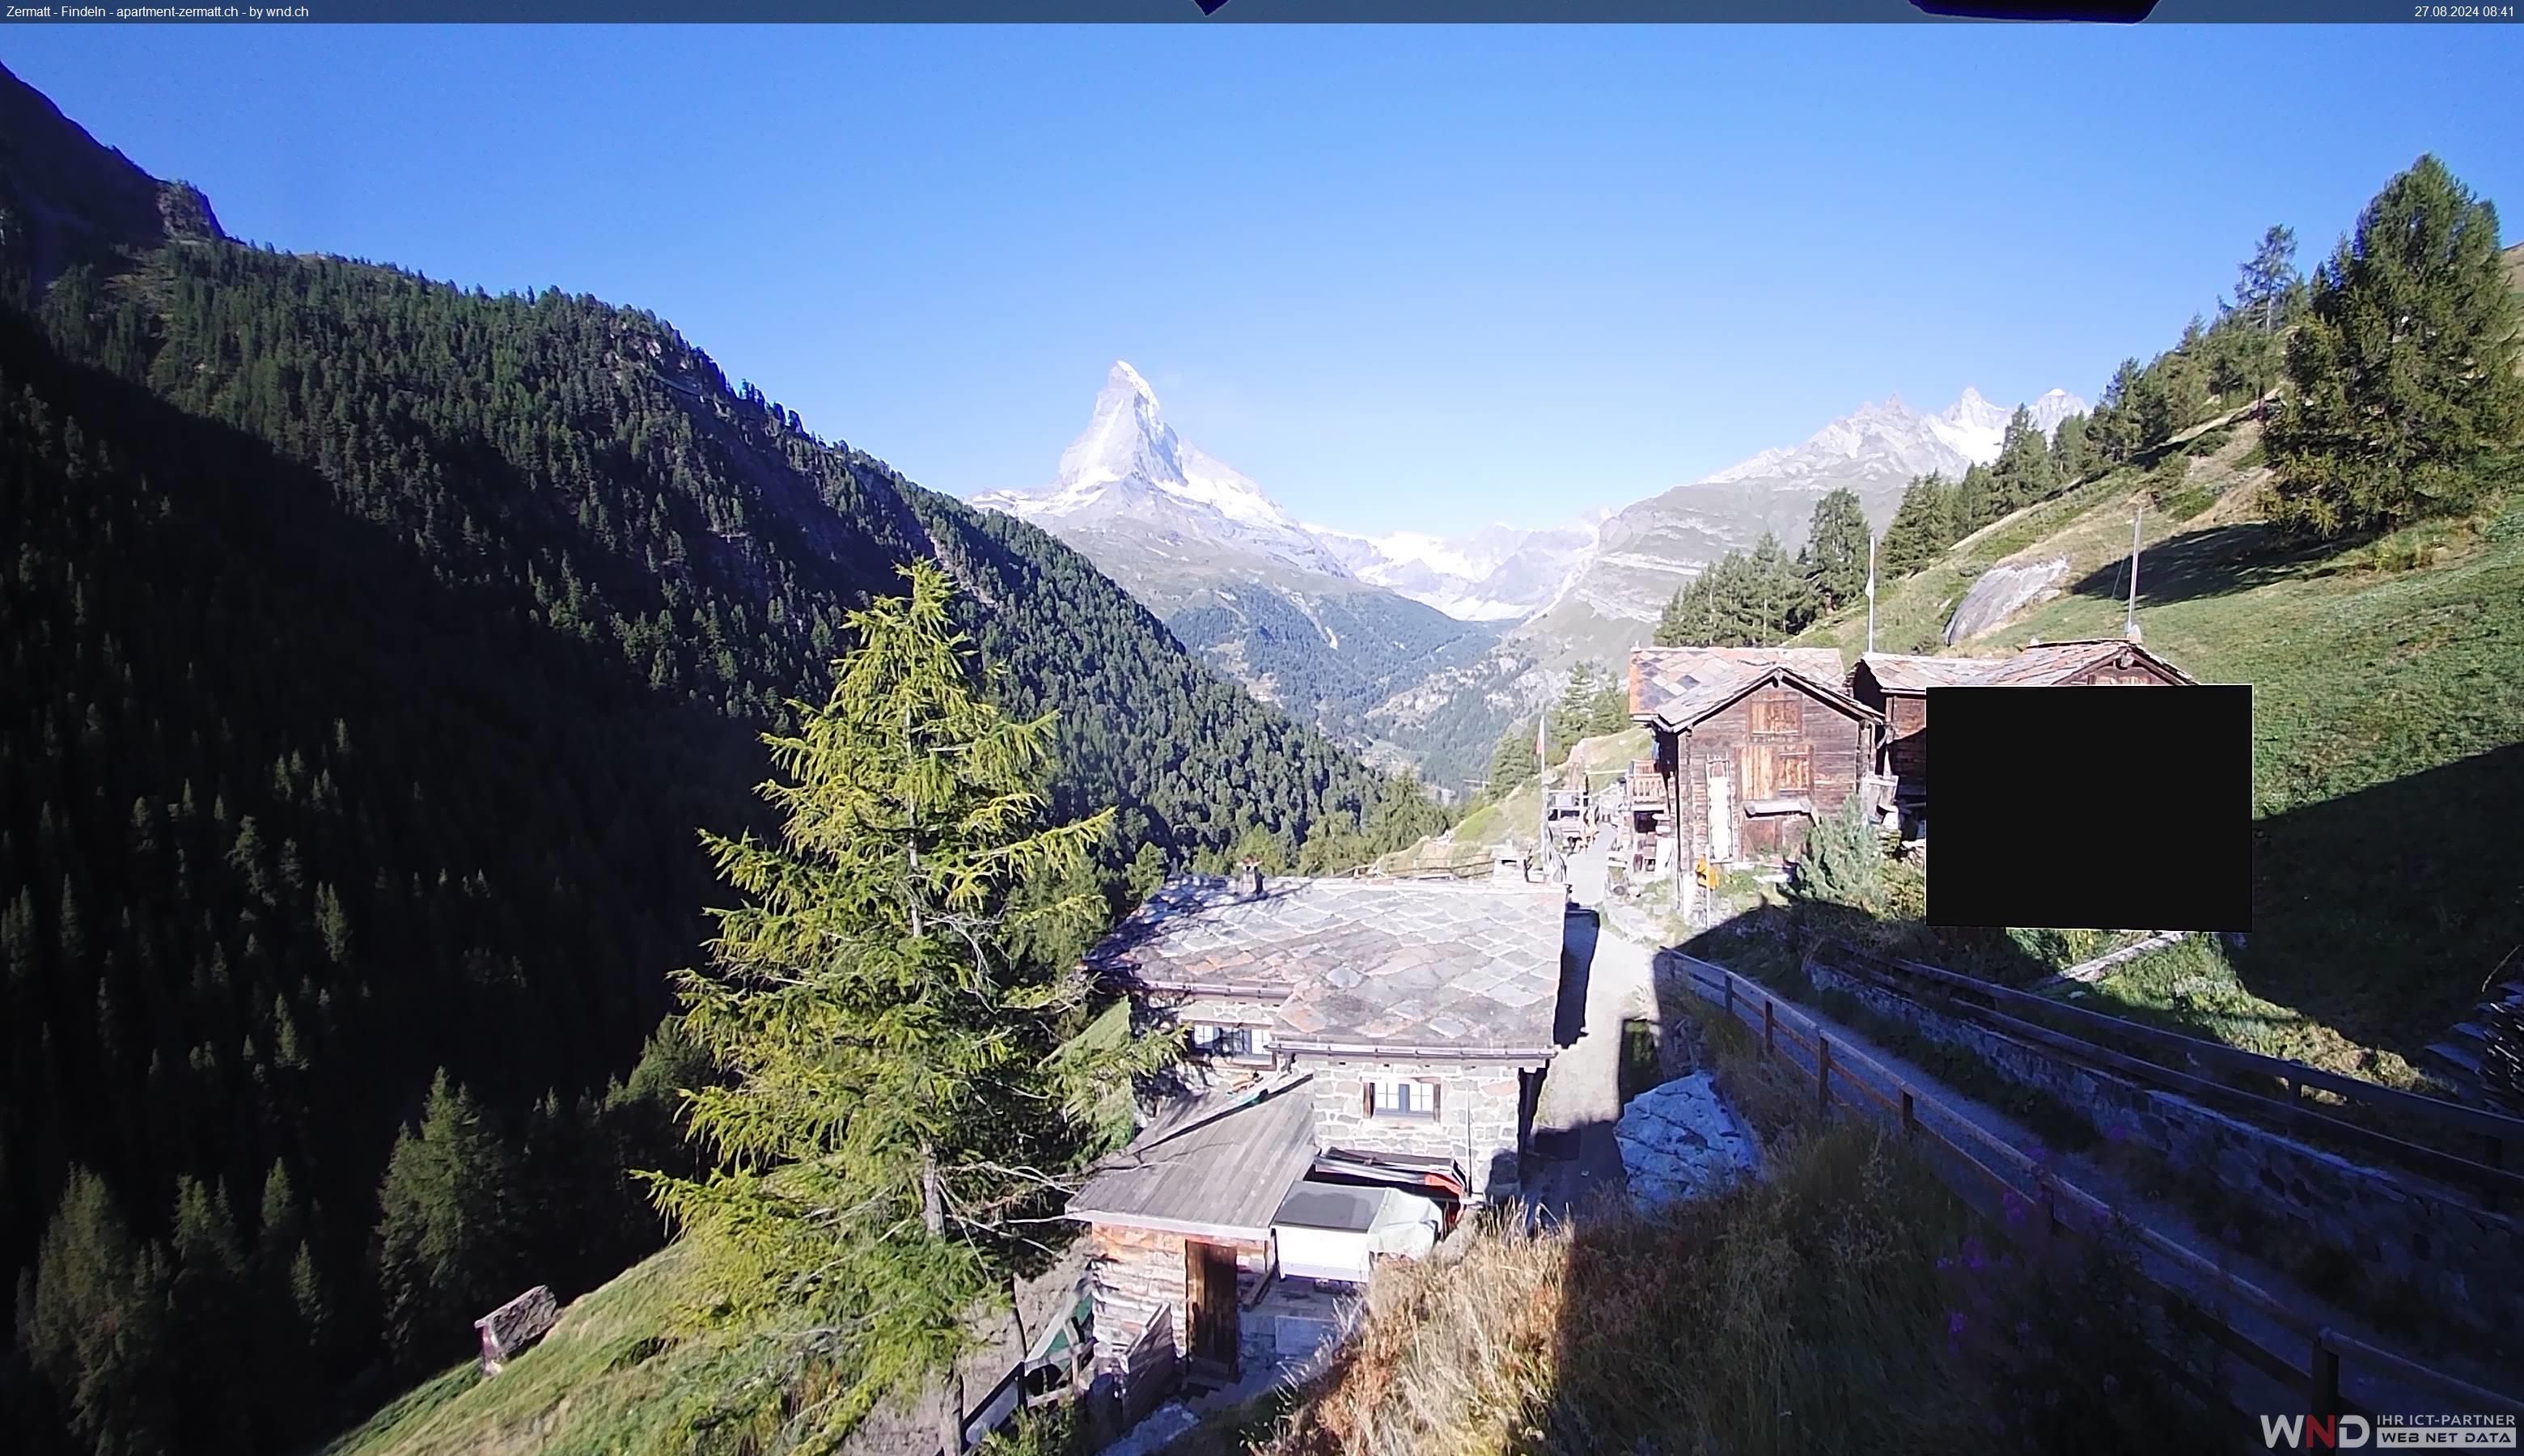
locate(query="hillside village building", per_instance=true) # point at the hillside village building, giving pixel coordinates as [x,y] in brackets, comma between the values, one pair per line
[1897,686]
[1366,1058]
[1752,745]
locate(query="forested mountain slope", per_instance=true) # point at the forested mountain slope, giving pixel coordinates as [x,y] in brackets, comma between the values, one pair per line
[379,648]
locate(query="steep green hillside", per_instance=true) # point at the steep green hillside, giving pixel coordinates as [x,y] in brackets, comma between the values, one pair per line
[2388,722]
[2388,716]
[382,646]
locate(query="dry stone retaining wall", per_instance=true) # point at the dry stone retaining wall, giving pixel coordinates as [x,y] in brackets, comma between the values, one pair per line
[2460,1262]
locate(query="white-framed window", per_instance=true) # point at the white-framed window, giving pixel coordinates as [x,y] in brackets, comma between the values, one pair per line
[1401,1097]
[1236,1043]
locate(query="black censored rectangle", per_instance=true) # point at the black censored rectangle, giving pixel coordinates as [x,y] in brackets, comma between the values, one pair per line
[2092,807]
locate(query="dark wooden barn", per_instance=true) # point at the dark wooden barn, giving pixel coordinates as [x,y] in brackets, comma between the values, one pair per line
[1752,745]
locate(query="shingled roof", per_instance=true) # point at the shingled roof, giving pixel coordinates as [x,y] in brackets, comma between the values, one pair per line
[1899,672]
[2055,661]
[1218,1166]
[2042,664]
[1674,687]
[1359,965]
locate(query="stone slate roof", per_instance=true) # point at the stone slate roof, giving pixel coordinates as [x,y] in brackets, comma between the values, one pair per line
[2053,662]
[2042,666]
[1899,672]
[1218,1165]
[1678,685]
[1358,964]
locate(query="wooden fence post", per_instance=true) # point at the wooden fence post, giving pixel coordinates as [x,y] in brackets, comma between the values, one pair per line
[1769,1022]
[1910,1114]
[2322,1378]
[1823,1074]
[1730,995]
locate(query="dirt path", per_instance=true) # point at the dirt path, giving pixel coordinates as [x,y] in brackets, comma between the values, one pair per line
[1575,1158]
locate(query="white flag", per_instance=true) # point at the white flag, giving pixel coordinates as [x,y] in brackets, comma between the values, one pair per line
[1871,568]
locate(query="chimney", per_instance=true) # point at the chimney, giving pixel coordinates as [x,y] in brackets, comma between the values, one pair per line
[1248,878]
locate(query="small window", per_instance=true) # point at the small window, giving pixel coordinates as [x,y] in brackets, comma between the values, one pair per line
[1781,712]
[1405,1097]
[1237,1042]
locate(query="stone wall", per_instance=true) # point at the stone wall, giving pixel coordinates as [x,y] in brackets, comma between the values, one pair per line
[1134,1273]
[2458,1261]
[1481,1120]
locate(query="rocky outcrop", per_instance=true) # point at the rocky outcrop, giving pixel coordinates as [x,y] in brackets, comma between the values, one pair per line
[1682,1142]
[2001,592]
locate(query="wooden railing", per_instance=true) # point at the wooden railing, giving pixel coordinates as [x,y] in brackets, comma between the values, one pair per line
[2493,1135]
[2058,1204]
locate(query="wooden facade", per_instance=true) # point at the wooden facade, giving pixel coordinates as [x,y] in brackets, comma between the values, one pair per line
[1749,779]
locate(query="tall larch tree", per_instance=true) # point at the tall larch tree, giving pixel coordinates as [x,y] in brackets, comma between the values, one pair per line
[2402,386]
[2266,290]
[898,1094]
[1836,551]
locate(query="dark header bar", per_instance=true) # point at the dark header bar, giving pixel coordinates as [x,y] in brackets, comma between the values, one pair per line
[1233,12]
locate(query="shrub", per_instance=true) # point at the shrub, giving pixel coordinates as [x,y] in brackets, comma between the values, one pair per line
[1844,859]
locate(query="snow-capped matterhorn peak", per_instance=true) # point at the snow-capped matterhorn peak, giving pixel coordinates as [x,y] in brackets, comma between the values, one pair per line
[1127,435]
[1128,469]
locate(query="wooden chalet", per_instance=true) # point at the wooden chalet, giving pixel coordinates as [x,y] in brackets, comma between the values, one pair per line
[1896,686]
[1752,745]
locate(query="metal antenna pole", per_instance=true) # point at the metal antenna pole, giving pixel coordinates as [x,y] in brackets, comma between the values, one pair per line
[1870,590]
[2129,619]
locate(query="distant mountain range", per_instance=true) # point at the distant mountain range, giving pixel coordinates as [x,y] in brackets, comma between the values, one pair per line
[1497,574]
[1265,600]
[1649,548]
[1417,647]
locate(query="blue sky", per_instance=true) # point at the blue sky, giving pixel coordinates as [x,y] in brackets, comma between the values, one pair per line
[1403,277]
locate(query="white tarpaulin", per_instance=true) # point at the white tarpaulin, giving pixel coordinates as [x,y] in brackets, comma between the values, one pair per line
[1335,1231]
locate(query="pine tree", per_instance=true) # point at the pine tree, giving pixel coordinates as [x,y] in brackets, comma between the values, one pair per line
[93,1324]
[1836,551]
[2070,450]
[1977,502]
[1573,714]
[1611,713]
[1147,871]
[1779,602]
[2112,428]
[889,1064]
[443,1236]
[1922,527]
[2402,389]
[2023,472]
[208,1317]
[2265,288]
[1512,760]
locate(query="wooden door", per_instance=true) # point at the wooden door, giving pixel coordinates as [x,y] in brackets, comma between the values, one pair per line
[1209,1277]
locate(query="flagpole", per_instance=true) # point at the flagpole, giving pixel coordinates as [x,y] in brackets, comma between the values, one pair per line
[2130,620]
[1870,590]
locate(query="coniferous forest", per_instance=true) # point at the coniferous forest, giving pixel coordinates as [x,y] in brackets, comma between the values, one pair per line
[375,650]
